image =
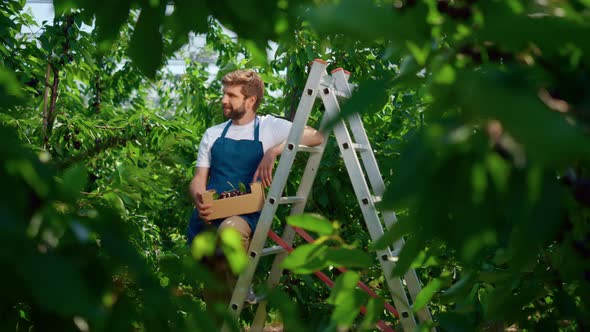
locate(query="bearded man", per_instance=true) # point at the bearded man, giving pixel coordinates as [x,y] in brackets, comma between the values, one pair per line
[241,150]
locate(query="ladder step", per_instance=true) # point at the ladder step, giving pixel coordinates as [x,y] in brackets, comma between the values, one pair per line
[340,94]
[394,256]
[272,250]
[356,147]
[328,83]
[377,199]
[359,147]
[291,199]
[310,149]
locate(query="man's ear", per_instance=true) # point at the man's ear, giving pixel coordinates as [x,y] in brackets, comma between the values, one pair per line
[251,100]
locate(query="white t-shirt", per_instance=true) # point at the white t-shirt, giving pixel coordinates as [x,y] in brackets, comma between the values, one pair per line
[272,131]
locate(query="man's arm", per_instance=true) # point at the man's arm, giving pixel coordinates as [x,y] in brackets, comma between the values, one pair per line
[197,187]
[311,137]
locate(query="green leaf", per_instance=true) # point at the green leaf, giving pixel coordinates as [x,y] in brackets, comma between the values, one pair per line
[479,182]
[257,52]
[306,259]
[231,242]
[242,187]
[115,201]
[409,252]
[10,88]
[505,303]
[187,16]
[452,321]
[146,47]
[370,97]
[475,243]
[393,234]
[350,258]
[288,309]
[109,14]
[25,169]
[350,17]
[549,33]
[512,98]
[374,309]
[461,288]
[499,171]
[426,294]
[445,75]
[73,181]
[311,222]
[203,244]
[421,55]
[57,286]
[343,286]
[346,299]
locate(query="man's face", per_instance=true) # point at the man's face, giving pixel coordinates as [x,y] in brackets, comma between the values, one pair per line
[233,102]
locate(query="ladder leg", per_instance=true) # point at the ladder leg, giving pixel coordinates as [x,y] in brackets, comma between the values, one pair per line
[368,209]
[378,186]
[273,280]
[389,218]
[317,71]
[304,190]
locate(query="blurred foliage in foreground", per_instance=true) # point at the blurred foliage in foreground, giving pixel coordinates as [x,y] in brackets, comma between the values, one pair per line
[479,112]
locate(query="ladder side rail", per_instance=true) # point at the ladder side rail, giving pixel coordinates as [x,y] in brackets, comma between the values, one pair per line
[304,189]
[318,69]
[389,217]
[377,184]
[414,287]
[369,212]
[360,136]
[272,280]
[367,155]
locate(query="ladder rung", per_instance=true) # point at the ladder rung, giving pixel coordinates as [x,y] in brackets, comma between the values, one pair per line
[377,199]
[355,146]
[329,84]
[394,256]
[340,94]
[291,199]
[272,250]
[359,147]
[311,149]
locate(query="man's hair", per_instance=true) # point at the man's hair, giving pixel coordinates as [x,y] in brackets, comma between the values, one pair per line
[252,84]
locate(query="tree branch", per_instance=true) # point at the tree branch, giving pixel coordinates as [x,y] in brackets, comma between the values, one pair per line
[49,115]
[54,94]
[45,96]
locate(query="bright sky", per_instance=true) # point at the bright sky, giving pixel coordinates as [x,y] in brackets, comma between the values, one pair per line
[42,10]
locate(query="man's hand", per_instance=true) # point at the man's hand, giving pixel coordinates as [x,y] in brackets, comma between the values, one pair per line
[264,170]
[197,188]
[204,209]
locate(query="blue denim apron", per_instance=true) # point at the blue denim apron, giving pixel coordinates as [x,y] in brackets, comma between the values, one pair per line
[232,161]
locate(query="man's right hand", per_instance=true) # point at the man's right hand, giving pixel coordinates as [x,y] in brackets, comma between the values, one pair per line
[197,188]
[204,209]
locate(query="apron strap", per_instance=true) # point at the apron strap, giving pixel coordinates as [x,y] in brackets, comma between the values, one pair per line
[225,129]
[256,131]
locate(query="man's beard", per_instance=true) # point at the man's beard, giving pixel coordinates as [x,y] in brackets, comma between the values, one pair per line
[234,114]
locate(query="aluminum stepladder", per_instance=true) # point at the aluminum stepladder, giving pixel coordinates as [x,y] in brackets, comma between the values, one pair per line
[330,88]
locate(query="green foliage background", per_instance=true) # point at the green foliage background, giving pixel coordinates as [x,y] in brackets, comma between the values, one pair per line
[478,112]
